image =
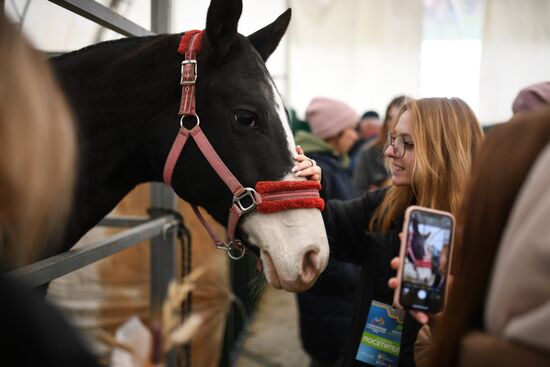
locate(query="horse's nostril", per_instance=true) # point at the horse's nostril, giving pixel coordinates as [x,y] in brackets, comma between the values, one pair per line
[310,265]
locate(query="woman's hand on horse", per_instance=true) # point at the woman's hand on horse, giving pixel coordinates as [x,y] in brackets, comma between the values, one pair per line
[306,167]
[420,316]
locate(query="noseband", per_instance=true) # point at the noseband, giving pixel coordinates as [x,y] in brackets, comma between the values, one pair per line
[268,197]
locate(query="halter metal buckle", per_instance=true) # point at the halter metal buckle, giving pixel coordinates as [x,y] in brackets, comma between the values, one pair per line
[250,193]
[183,81]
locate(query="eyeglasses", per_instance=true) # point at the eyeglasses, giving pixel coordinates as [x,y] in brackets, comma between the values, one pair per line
[398,144]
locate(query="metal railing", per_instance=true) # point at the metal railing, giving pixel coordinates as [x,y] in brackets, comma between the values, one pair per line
[46,270]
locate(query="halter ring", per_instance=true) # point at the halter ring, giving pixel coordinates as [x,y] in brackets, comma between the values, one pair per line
[198,121]
[235,249]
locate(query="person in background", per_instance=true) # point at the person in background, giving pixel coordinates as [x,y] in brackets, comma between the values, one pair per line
[370,171]
[333,133]
[368,128]
[325,310]
[369,125]
[502,258]
[532,98]
[297,124]
[430,148]
[38,151]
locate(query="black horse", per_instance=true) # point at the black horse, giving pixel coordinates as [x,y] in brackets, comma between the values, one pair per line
[125,96]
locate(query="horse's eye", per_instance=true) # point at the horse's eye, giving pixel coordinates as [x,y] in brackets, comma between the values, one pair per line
[245,118]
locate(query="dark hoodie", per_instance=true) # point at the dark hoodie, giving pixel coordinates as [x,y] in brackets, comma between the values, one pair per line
[326,309]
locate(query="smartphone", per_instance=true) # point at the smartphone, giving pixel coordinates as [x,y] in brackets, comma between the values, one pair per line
[425,255]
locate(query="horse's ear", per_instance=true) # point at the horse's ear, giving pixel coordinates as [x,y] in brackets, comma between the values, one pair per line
[266,40]
[221,25]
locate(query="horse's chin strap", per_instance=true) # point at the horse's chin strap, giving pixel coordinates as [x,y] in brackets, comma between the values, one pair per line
[270,196]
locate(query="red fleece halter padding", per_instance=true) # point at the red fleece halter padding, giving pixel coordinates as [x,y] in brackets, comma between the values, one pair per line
[284,195]
[184,41]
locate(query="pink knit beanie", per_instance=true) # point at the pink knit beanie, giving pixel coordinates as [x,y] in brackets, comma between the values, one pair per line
[328,117]
[532,98]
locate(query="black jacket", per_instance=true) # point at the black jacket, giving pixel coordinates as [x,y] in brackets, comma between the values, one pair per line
[347,225]
[326,308]
[336,178]
[35,333]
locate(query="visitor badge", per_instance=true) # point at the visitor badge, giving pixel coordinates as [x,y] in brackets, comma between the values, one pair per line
[381,338]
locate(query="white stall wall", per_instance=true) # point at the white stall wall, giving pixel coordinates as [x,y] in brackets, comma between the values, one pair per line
[515,53]
[52,28]
[363,52]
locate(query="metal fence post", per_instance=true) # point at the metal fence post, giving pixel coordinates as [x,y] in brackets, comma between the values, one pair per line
[161,16]
[163,249]
[163,258]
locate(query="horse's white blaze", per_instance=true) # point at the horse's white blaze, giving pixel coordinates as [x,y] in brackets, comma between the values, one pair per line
[293,243]
[283,118]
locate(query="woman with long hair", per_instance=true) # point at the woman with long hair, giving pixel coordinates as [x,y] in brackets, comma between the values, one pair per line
[429,152]
[37,151]
[37,158]
[491,289]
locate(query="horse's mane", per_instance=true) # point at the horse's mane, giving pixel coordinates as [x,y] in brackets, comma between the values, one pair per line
[118,44]
[100,57]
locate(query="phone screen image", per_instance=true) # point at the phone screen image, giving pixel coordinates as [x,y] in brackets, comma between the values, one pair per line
[426,261]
